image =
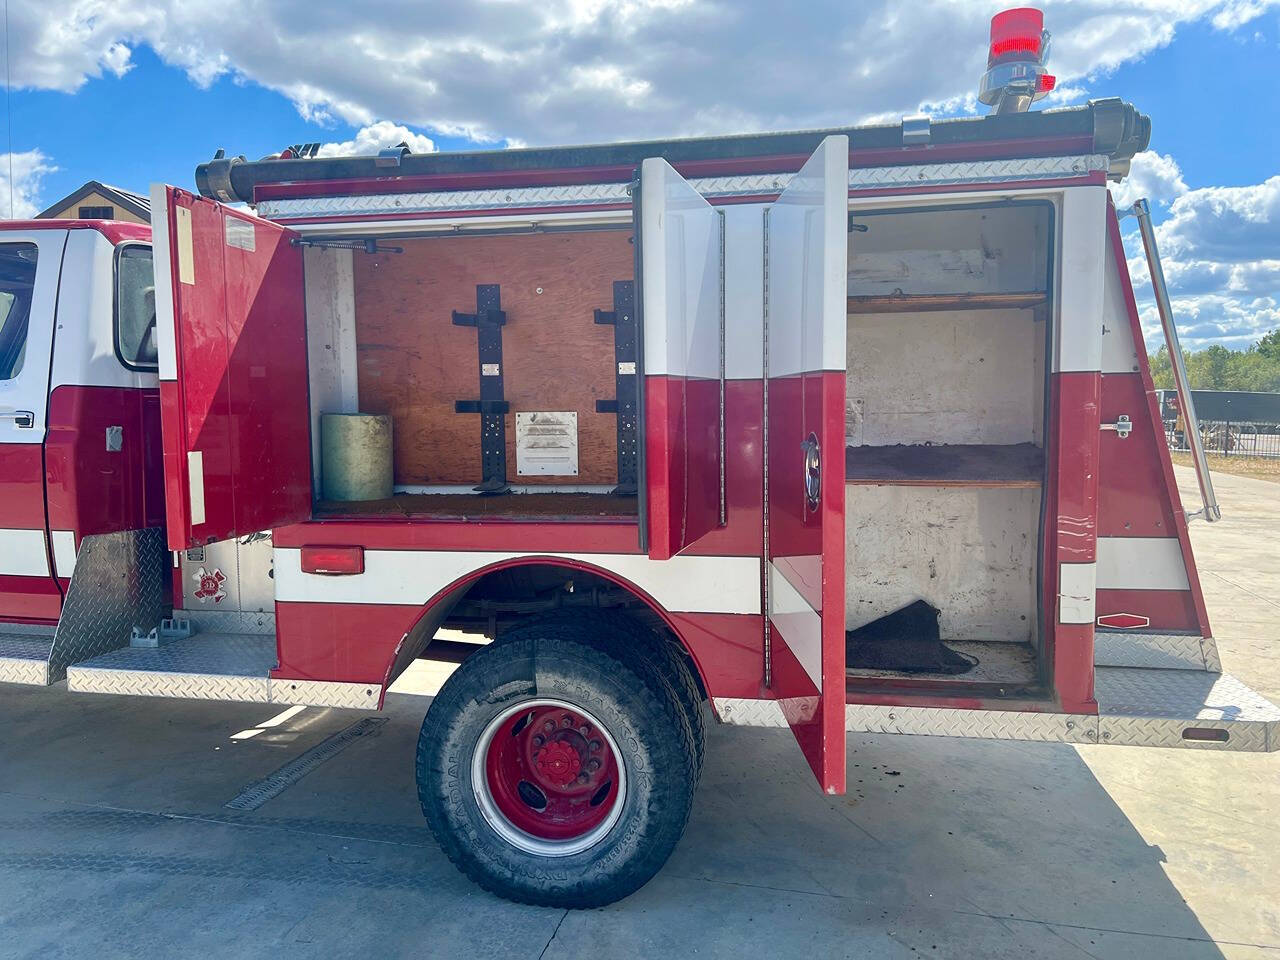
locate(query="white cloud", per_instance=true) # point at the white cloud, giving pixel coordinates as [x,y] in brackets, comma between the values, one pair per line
[572,70]
[565,71]
[1220,248]
[1153,176]
[377,136]
[29,170]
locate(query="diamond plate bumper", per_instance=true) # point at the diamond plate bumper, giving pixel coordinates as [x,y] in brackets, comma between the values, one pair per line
[1149,707]
[212,667]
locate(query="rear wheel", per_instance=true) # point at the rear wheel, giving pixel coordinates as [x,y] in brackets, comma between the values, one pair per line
[552,772]
[629,639]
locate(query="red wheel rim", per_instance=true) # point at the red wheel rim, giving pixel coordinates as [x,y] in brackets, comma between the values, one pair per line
[548,777]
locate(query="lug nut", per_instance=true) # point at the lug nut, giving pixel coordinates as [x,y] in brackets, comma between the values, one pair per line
[548,727]
[584,729]
[593,765]
[566,721]
[537,740]
[582,778]
[594,745]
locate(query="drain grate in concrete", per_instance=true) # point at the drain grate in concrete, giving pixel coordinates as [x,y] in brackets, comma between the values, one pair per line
[256,794]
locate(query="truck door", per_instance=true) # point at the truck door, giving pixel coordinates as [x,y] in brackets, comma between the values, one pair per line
[682,322]
[30,261]
[231,331]
[806,243]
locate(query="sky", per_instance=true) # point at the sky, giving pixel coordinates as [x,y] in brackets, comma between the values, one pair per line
[130,93]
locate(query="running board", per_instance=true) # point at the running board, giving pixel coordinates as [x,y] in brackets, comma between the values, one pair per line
[24,654]
[1167,651]
[212,666]
[1149,707]
[115,590]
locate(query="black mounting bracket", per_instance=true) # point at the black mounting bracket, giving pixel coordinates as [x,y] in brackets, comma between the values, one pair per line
[626,369]
[492,407]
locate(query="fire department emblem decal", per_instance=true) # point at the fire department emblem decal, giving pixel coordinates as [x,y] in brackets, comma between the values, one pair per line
[210,585]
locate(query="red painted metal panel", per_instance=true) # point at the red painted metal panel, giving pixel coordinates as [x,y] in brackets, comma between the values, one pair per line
[1161,504]
[241,401]
[358,643]
[807,548]
[353,643]
[30,599]
[742,534]
[92,489]
[682,459]
[22,507]
[117,231]
[727,648]
[1133,496]
[427,534]
[1072,505]
[1169,610]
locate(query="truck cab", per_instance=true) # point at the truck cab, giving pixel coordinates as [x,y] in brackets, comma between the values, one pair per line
[79,416]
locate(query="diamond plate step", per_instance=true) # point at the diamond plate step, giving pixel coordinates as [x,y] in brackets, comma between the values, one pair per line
[208,666]
[213,666]
[1180,708]
[1155,650]
[1149,707]
[24,656]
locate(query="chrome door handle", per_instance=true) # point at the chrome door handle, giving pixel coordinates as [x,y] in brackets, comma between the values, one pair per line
[23,419]
[812,471]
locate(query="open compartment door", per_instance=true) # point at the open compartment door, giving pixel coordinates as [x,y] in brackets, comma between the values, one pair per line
[806,244]
[682,317]
[232,344]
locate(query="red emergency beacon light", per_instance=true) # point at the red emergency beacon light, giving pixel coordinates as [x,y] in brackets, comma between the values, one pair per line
[1016,74]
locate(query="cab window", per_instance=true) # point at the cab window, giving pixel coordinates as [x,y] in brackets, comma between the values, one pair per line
[135,307]
[17,281]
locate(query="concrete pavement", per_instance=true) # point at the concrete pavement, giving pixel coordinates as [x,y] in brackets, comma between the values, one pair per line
[115,842]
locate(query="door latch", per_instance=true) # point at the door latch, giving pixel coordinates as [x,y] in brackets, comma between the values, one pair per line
[1123,426]
[23,419]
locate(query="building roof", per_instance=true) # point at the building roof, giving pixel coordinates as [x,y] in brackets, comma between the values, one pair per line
[136,203]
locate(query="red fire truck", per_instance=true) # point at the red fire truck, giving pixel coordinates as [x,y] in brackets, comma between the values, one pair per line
[681,426]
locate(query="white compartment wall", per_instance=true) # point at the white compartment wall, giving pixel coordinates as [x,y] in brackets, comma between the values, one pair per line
[979,250]
[971,376]
[972,552]
[331,339]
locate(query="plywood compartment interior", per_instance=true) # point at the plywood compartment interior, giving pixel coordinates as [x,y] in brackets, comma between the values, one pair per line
[947,337]
[383,341]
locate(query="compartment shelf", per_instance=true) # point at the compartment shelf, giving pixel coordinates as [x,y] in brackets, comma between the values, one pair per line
[471,506]
[946,465]
[922,302]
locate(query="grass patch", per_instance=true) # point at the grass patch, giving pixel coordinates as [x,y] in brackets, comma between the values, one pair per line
[1255,467]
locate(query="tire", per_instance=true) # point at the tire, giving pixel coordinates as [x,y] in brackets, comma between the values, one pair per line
[625,637]
[505,769]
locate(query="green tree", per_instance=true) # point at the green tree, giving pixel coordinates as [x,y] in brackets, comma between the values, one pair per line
[1217,368]
[1269,345]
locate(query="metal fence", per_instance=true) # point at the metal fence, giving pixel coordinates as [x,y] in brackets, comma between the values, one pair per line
[1226,438]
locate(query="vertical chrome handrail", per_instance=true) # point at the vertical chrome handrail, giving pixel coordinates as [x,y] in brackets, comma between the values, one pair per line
[1186,406]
